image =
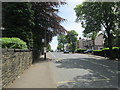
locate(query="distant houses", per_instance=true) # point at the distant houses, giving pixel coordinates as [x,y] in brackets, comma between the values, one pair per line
[99,41]
[88,43]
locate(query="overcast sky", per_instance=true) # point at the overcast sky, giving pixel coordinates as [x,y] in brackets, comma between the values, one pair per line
[67,12]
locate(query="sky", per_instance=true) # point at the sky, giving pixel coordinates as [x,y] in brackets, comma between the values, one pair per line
[67,12]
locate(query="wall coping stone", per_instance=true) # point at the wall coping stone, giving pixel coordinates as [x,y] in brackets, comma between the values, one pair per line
[15,50]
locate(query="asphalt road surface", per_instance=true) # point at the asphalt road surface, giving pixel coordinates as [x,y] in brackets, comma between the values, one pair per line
[84,71]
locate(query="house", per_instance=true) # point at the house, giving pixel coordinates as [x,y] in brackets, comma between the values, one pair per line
[88,43]
[85,43]
[99,41]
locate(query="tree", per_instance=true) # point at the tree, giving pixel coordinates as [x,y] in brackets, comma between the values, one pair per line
[32,22]
[47,23]
[61,41]
[72,39]
[60,47]
[49,47]
[95,15]
[17,19]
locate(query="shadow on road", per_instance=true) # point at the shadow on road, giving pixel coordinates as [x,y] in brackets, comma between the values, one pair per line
[101,73]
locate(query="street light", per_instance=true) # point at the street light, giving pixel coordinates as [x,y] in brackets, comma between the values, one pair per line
[44,41]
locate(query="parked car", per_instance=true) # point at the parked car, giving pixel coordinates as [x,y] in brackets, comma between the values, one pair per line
[88,51]
[51,50]
[66,51]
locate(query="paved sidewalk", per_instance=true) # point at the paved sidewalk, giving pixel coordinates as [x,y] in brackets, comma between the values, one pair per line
[39,75]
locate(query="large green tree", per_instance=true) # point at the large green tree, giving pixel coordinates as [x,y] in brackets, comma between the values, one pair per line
[47,24]
[72,39]
[17,19]
[95,15]
[61,42]
[32,22]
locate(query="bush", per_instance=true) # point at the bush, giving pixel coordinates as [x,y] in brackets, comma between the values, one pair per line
[105,52]
[79,50]
[98,52]
[13,43]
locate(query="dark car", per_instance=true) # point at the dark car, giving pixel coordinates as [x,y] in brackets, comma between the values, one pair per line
[66,51]
[88,51]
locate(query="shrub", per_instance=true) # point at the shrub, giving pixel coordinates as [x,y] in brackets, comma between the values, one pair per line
[105,52]
[98,52]
[79,50]
[13,43]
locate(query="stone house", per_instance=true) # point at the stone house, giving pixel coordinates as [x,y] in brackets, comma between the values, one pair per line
[88,43]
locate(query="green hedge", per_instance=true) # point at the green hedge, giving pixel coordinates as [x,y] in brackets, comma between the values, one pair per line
[105,52]
[79,50]
[13,43]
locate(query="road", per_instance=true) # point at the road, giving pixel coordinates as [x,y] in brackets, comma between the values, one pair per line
[84,71]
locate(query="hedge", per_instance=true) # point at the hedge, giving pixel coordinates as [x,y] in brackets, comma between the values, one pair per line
[13,43]
[105,52]
[79,50]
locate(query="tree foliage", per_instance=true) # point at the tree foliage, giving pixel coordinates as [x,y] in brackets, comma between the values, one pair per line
[32,21]
[61,41]
[72,39]
[17,19]
[49,47]
[47,22]
[95,15]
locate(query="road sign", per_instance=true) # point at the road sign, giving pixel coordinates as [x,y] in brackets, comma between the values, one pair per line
[44,49]
[43,40]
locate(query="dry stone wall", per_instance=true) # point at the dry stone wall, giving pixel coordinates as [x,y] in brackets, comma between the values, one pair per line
[14,62]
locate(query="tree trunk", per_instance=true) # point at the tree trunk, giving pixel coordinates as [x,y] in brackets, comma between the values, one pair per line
[93,44]
[110,44]
[63,47]
[36,55]
[118,41]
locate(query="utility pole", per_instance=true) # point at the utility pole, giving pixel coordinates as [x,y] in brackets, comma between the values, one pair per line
[45,46]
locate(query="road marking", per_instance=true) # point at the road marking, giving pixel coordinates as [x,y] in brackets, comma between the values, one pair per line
[53,55]
[101,79]
[90,70]
[56,59]
[105,77]
[61,82]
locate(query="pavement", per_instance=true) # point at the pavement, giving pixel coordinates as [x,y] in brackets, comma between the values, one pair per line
[39,75]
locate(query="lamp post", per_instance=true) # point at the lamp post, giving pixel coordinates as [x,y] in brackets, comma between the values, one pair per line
[44,41]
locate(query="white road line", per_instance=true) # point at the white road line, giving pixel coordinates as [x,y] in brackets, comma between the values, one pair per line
[53,55]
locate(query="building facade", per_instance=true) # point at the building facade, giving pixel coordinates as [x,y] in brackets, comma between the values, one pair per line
[99,41]
[88,43]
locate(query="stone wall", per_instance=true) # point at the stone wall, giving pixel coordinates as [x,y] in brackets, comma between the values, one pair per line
[14,62]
